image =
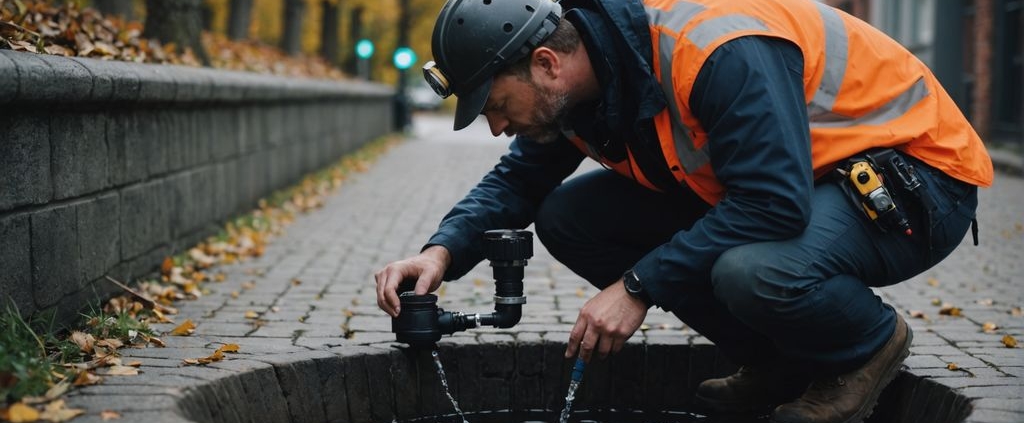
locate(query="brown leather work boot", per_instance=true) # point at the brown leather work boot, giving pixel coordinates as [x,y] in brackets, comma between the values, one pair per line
[850,398]
[752,389]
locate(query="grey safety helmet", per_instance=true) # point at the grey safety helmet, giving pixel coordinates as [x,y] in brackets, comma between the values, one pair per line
[474,39]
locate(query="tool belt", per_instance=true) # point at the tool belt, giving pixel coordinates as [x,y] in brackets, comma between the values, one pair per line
[878,180]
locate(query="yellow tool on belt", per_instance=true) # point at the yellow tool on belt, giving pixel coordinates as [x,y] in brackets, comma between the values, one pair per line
[875,198]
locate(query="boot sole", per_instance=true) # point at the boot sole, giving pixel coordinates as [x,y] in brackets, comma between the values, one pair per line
[887,378]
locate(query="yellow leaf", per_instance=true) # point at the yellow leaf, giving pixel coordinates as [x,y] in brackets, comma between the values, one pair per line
[86,378]
[166,266]
[110,343]
[251,314]
[219,277]
[1009,341]
[57,390]
[109,415]
[933,282]
[936,301]
[121,371]
[949,310]
[84,341]
[55,412]
[952,366]
[184,329]
[232,348]
[20,412]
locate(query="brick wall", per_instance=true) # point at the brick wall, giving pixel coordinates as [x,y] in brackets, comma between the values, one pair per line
[107,167]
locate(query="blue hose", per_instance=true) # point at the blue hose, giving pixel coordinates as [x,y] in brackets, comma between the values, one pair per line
[577,370]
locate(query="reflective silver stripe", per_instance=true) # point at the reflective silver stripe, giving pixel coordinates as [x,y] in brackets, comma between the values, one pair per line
[835,64]
[710,30]
[889,111]
[689,157]
[676,18]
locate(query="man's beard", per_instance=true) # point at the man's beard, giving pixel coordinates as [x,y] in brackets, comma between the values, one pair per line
[546,120]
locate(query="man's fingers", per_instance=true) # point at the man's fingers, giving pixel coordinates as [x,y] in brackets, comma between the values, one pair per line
[575,337]
[588,345]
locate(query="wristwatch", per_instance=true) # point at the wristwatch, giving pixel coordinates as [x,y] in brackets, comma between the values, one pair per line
[635,288]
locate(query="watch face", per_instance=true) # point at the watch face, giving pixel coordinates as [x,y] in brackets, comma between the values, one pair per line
[632,283]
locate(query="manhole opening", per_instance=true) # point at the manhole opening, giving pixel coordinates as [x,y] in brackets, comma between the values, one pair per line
[526,381]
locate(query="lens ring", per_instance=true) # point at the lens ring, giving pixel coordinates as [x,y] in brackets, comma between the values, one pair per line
[436,79]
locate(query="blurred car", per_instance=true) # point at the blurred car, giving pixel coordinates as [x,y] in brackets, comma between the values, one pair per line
[422,97]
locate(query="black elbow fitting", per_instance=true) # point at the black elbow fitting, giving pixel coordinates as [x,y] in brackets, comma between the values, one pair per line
[421,323]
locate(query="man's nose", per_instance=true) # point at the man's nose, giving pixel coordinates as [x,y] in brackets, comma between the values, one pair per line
[497,123]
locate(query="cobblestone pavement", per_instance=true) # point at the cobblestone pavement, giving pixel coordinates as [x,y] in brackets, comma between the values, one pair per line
[314,291]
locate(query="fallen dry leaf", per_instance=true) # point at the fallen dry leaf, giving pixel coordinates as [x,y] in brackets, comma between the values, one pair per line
[19,412]
[217,355]
[952,366]
[110,343]
[251,315]
[157,341]
[231,348]
[121,371]
[949,310]
[86,378]
[933,282]
[936,301]
[989,327]
[84,341]
[167,266]
[918,314]
[109,415]
[985,302]
[1016,312]
[248,285]
[57,412]
[1009,341]
[184,329]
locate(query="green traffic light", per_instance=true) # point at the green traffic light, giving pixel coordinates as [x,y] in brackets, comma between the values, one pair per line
[364,48]
[404,58]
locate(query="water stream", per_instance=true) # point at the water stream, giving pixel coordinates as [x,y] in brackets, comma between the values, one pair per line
[574,383]
[444,383]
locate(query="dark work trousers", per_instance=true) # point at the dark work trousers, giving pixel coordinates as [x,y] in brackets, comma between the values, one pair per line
[804,301]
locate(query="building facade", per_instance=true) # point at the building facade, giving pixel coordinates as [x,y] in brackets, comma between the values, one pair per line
[973,46]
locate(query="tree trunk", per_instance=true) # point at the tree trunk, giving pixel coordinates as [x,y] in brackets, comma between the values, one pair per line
[329,36]
[122,8]
[239,18]
[291,37]
[355,33]
[178,22]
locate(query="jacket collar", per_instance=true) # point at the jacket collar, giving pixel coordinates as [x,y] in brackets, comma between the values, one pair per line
[618,40]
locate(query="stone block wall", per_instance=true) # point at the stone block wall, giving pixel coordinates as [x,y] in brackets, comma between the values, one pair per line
[107,167]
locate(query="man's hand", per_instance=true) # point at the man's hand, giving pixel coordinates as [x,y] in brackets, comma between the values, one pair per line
[606,322]
[427,267]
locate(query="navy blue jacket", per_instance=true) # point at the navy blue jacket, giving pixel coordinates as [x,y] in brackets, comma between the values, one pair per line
[748,97]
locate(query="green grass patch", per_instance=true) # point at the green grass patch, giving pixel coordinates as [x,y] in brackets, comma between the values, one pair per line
[26,366]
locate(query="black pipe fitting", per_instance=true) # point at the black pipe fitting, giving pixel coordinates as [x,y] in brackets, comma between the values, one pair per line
[421,323]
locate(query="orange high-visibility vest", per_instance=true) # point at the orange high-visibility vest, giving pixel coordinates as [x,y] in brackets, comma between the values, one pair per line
[863,90]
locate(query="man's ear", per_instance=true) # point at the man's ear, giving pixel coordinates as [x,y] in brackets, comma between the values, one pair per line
[545,61]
